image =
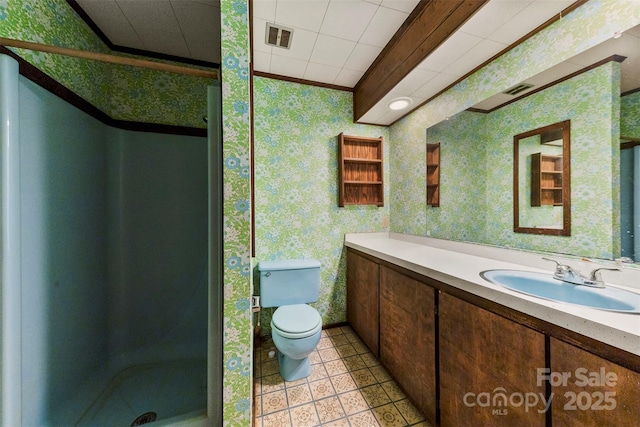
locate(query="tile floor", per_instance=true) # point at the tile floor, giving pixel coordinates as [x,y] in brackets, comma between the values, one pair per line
[347,387]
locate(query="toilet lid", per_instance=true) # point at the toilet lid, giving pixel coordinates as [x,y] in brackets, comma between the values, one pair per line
[296,318]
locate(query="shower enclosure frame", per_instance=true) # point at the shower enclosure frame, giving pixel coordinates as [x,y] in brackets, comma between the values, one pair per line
[11,406]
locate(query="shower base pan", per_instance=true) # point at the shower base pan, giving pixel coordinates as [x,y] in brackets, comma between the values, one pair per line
[154,392]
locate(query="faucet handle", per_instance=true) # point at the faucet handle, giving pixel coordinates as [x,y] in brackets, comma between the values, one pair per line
[552,260]
[561,269]
[596,277]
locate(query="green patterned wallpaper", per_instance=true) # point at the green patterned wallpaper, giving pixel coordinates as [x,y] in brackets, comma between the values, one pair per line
[122,92]
[585,27]
[476,196]
[296,183]
[238,336]
[143,95]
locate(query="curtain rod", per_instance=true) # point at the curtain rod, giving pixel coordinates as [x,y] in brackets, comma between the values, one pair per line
[109,58]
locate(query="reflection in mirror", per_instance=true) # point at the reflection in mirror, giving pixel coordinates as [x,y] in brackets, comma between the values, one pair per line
[630,198]
[476,184]
[541,187]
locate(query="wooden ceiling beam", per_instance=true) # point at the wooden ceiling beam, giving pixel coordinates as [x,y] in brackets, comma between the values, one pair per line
[426,28]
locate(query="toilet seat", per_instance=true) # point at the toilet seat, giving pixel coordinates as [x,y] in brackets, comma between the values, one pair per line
[296,321]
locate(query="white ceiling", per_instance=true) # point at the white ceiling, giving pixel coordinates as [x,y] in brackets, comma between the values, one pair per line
[333,42]
[184,28]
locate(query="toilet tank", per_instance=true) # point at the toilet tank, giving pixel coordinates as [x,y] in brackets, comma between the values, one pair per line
[286,282]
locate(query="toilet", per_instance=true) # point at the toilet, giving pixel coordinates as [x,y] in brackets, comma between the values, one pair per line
[295,326]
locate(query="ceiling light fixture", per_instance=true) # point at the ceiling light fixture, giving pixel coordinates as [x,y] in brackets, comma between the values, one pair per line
[400,103]
[617,35]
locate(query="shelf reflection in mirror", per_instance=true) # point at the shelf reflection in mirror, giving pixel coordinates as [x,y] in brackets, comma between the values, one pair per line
[541,180]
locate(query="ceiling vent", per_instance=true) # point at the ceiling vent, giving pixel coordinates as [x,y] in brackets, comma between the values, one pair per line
[278,36]
[517,89]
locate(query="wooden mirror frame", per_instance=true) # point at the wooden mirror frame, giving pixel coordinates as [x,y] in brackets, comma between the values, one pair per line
[566,180]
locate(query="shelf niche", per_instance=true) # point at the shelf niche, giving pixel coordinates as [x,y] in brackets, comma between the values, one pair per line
[433,175]
[361,171]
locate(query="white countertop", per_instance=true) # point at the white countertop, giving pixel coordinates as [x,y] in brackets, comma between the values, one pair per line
[459,265]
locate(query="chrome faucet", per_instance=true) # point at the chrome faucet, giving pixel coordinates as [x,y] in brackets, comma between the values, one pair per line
[567,274]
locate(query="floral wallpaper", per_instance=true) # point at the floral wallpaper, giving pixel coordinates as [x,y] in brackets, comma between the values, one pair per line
[122,92]
[585,27]
[296,184]
[238,336]
[149,96]
[54,22]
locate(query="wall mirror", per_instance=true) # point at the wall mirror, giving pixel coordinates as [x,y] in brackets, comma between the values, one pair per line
[476,187]
[542,180]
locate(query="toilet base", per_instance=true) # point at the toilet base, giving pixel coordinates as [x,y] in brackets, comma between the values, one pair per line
[293,369]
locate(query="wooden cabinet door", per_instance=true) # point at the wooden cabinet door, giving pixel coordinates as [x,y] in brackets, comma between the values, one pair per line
[362,298]
[591,391]
[486,363]
[407,337]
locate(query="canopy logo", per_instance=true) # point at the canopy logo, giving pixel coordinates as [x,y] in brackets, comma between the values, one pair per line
[498,400]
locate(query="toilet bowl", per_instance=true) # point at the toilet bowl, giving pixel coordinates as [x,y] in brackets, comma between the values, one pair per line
[295,326]
[296,331]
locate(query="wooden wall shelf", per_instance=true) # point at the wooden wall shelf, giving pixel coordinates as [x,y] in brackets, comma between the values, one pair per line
[361,171]
[546,180]
[433,174]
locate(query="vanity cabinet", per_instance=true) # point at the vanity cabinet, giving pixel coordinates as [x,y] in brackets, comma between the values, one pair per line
[362,298]
[407,337]
[360,171]
[589,390]
[483,356]
[466,361]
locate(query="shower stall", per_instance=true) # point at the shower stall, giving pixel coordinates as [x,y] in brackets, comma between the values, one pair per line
[630,202]
[110,275]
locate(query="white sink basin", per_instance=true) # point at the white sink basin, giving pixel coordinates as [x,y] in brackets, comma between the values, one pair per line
[544,286]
